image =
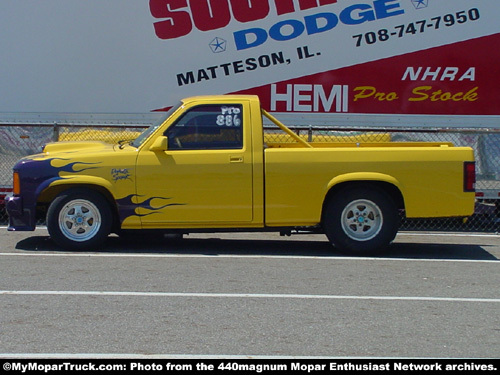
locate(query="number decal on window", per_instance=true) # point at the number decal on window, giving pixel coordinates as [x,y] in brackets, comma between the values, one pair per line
[230,116]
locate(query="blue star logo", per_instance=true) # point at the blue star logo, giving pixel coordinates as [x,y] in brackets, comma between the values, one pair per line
[218,45]
[420,4]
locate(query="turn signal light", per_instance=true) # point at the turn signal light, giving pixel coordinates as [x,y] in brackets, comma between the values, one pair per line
[17,184]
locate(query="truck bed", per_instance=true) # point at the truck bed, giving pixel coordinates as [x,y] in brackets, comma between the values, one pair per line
[359,144]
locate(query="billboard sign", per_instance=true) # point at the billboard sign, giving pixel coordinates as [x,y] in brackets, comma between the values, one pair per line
[308,56]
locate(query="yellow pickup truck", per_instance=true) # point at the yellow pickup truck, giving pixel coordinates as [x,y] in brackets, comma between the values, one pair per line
[207,166]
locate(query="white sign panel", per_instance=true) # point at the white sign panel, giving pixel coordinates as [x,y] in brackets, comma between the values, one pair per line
[138,55]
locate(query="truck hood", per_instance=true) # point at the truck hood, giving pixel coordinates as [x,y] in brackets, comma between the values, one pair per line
[57,147]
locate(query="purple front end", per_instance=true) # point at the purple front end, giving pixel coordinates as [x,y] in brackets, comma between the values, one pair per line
[21,217]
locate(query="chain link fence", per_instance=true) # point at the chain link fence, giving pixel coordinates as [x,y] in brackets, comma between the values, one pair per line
[18,140]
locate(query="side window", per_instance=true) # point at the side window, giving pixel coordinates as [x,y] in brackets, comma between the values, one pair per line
[208,127]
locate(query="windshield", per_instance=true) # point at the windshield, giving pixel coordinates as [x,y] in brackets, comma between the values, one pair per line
[146,133]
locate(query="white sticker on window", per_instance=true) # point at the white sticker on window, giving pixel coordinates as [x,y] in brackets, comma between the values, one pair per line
[230,116]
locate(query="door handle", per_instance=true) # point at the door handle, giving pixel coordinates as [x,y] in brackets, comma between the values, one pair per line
[236,159]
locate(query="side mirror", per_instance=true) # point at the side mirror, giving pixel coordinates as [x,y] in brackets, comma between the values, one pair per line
[160,144]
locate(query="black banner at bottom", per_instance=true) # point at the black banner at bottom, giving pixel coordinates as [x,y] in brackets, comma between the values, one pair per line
[232,366]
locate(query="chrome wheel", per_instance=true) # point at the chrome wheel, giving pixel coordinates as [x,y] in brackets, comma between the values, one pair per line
[362,220]
[79,220]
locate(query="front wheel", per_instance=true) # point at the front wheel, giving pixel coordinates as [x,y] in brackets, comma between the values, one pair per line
[79,220]
[361,221]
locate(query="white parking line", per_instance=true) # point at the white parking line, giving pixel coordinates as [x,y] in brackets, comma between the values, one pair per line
[451,234]
[235,256]
[402,232]
[240,295]
[172,356]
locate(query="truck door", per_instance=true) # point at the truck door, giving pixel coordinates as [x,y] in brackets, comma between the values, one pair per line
[205,176]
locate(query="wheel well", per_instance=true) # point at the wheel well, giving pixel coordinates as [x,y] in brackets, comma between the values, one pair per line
[48,195]
[386,187]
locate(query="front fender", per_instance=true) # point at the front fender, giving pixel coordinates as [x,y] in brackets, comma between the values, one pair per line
[49,188]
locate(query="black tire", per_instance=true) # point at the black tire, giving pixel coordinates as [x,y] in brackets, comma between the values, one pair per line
[79,219]
[361,221]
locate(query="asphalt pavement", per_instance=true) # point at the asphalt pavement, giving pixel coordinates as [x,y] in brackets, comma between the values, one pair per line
[432,295]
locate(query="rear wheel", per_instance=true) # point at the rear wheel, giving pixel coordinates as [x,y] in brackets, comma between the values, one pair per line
[79,220]
[361,221]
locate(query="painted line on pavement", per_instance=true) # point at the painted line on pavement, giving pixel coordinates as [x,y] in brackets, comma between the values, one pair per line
[240,295]
[234,256]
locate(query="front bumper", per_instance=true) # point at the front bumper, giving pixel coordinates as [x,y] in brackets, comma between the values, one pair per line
[20,218]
